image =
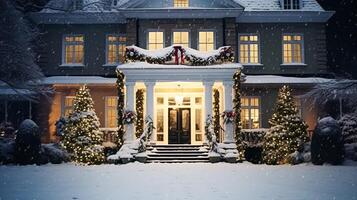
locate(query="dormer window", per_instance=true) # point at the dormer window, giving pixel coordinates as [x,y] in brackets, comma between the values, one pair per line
[181,3]
[291,4]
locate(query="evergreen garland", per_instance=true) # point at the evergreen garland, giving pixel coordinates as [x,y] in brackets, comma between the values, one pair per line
[120,107]
[81,135]
[139,113]
[288,132]
[237,109]
[216,113]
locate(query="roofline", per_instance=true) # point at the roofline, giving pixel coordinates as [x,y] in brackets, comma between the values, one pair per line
[290,16]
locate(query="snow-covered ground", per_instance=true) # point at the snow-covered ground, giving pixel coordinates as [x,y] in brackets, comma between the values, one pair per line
[178,181]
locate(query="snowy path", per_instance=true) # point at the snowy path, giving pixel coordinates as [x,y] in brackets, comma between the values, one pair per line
[178,181]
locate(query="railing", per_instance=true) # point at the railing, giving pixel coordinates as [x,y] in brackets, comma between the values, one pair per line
[110,134]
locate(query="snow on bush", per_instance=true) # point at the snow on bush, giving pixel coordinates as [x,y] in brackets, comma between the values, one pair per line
[7,150]
[327,142]
[348,125]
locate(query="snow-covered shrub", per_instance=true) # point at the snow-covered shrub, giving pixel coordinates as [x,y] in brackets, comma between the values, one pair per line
[301,156]
[7,150]
[54,153]
[7,130]
[327,142]
[348,125]
[27,142]
[252,140]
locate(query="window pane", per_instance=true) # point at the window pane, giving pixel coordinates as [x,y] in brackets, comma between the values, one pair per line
[160,121]
[181,3]
[198,120]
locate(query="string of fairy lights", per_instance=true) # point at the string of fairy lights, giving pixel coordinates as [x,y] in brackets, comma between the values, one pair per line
[139,113]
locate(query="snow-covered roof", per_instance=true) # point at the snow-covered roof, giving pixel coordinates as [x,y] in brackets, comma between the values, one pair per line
[272,79]
[256,79]
[144,65]
[107,5]
[78,80]
[274,5]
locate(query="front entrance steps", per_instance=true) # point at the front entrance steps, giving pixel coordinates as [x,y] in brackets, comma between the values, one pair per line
[177,153]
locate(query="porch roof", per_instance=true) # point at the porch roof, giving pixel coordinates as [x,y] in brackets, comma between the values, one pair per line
[141,71]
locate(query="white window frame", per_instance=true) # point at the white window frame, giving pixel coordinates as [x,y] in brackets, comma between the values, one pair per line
[174,5]
[290,4]
[249,107]
[298,103]
[250,42]
[117,43]
[302,42]
[214,35]
[64,44]
[106,107]
[64,107]
[155,30]
[181,30]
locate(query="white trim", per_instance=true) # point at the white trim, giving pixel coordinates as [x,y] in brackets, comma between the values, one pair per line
[250,42]
[117,43]
[155,30]
[207,30]
[64,43]
[302,42]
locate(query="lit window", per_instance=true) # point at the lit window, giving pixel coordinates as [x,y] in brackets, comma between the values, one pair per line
[291,4]
[293,48]
[206,41]
[115,49]
[68,105]
[249,49]
[111,112]
[250,113]
[181,38]
[73,49]
[155,40]
[76,4]
[160,125]
[181,3]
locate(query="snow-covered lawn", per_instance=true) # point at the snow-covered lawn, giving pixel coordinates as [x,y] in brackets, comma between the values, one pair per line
[178,181]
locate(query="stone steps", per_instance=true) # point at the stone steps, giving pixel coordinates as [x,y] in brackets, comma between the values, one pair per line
[177,153]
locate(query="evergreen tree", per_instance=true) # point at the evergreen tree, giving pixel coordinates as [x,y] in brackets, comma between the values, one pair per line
[81,135]
[288,132]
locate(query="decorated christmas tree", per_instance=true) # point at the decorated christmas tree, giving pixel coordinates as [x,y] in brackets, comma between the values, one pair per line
[288,132]
[81,135]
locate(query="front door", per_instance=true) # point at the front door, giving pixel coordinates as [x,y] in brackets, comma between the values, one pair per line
[179,126]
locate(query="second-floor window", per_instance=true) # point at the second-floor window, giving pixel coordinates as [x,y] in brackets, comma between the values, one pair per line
[116,45]
[291,4]
[155,40]
[181,38]
[73,49]
[293,45]
[250,113]
[181,3]
[111,103]
[206,41]
[249,49]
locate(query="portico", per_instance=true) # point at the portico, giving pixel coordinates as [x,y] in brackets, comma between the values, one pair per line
[179,99]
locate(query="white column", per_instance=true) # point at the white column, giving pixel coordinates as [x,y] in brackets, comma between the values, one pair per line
[130,105]
[228,106]
[150,104]
[208,102]
[208,98]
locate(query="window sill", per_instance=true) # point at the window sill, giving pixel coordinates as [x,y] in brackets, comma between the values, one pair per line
[293,65]
[111,65]
[252,65]
[72,65]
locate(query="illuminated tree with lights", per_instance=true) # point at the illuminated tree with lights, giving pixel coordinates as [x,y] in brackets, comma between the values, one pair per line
[288,132]
[81,135]
[140,113]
